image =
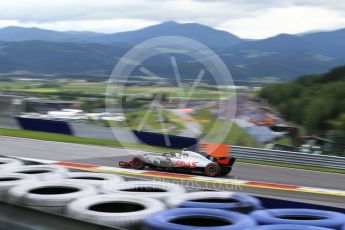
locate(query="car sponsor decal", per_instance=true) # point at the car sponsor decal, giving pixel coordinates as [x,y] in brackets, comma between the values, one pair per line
[186,164]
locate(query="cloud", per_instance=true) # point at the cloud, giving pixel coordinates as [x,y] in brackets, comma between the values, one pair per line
[292,20]
[246,18]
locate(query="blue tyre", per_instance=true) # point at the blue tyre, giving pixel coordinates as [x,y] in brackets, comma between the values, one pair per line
[287,227]
[310,217]
[198,218]
[216,200]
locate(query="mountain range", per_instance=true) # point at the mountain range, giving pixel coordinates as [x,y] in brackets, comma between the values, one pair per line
[279,58]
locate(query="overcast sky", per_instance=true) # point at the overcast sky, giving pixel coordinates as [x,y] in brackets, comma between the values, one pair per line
[244,18]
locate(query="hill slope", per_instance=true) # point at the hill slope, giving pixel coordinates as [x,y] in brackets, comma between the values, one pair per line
[14,34]
[207,35]
[312,101]
[279,58]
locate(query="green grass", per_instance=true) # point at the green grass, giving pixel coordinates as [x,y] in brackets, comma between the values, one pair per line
[109,143]
[236,136]
[46,88]
[134,119]
[54,87]
[177,92]
[283,141]
[74,139]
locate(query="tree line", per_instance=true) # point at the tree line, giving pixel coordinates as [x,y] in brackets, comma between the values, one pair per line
[316,102]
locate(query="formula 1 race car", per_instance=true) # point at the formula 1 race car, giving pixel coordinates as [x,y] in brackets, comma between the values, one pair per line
[186,161]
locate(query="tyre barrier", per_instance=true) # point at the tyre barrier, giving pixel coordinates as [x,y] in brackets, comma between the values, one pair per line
[287,227]
[128,204]
[114,210]
[9,180]
[216,200]
[8,163]
[49,196]
[41,172]
[95,179]
[152,189]
[198,218]
[312,217]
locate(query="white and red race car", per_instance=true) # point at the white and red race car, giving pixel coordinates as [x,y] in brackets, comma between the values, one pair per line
[186,161]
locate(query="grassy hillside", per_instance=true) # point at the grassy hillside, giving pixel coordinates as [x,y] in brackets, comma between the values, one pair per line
[313,101]
[279,58]
[316,102]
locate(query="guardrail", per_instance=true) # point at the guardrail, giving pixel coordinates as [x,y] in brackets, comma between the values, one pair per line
[288,157]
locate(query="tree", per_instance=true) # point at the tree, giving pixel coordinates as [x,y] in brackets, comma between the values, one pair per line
[339,123]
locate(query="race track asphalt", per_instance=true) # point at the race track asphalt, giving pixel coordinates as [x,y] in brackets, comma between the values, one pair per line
[21,147]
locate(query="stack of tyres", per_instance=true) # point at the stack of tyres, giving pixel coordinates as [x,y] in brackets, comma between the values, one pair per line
[211,210]
[309,217]
[216,200]
[198,218]
[125,211]
[9,180]
[109,200]
[124,203]
[49,196]
[151,189]
[41,172]
[8,163]
[287,227]
[97,180]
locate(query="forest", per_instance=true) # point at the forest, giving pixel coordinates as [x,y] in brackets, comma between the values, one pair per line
[314,102]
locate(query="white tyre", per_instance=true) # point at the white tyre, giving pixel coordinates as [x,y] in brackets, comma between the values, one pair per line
[8,163]
[9,180]
[114,210]
[41,172]
[95,179]
[49,196]
[152,189]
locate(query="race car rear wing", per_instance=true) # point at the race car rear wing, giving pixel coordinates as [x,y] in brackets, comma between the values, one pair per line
[226,161]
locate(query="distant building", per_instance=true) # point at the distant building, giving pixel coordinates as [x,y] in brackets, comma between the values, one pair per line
[10,104]
[43,105]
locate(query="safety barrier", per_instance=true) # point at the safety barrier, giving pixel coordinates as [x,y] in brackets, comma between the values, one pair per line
[44,125]
[288,157]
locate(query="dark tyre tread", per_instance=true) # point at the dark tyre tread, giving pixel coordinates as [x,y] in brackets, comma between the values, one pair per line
[138,164]
[225,171]
[212,170]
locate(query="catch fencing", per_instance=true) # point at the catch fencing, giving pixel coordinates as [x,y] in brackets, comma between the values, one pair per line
[287,157]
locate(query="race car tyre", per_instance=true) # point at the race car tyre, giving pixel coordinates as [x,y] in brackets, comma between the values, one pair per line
[9,180]
[311,217]
[198,218]
[138,164]
[152,189]
[95,179]
[212,170]
[215,200]
[8,163]
[114,210]
[287,227]
[49,196]
[41,172]
[225,170]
